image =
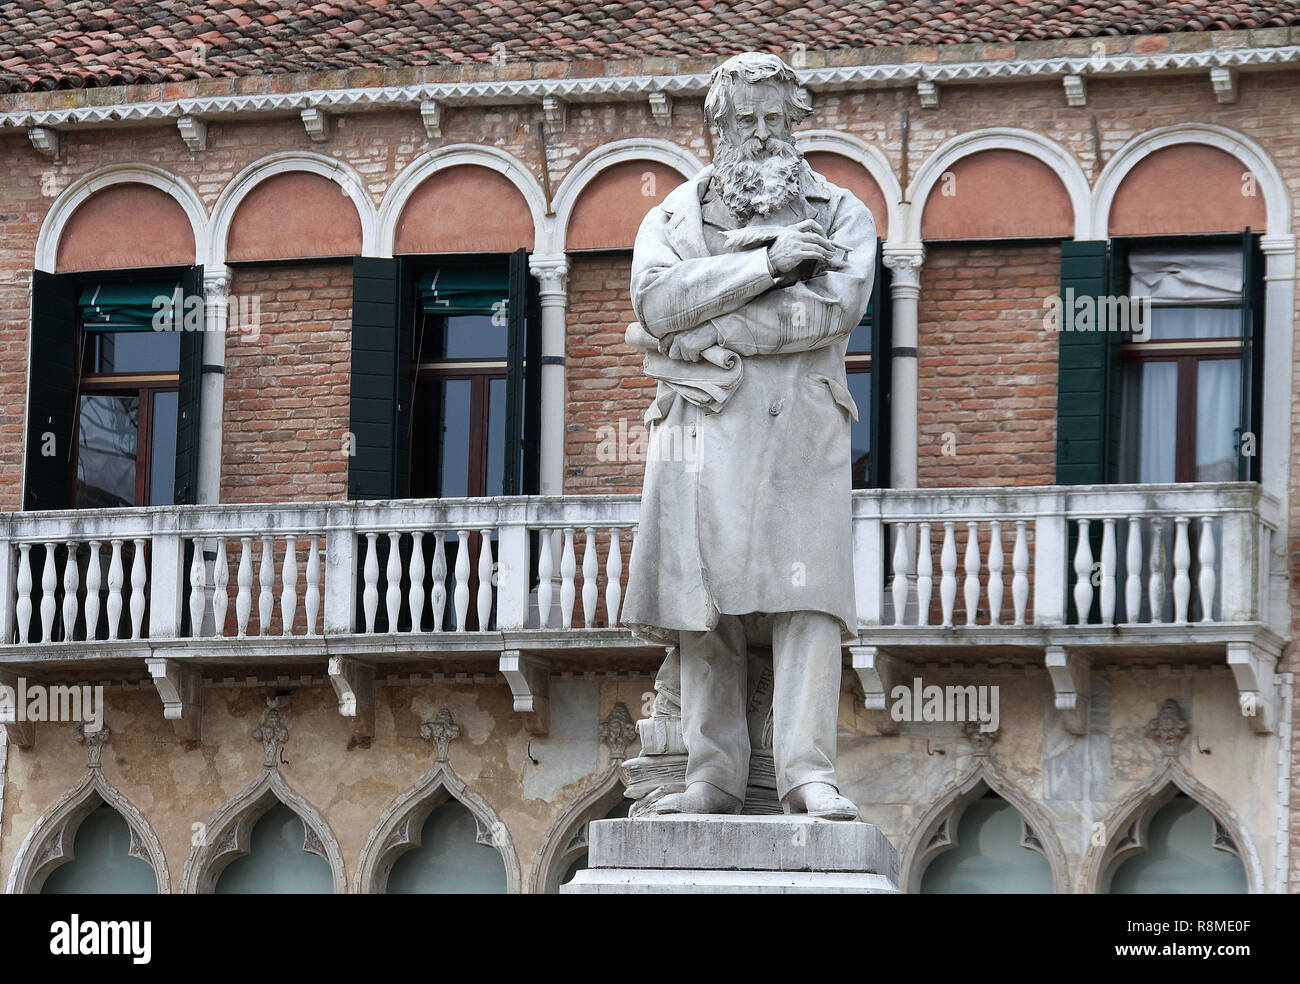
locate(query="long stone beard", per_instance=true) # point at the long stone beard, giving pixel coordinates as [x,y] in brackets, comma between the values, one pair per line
[758,183]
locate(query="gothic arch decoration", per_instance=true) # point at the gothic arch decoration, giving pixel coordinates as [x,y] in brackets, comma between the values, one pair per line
[228,834]
[567,836]
[287,162]
[427,165]
[49,843]
[76,194]
[936,831]
[401,826]
[1277,200]
[570,190]
[871,158]
[1056,157]
[1124,831]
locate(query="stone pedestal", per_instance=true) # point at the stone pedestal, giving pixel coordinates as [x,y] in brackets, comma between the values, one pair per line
[736,854]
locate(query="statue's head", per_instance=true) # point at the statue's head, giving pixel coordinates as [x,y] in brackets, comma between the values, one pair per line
[755,101]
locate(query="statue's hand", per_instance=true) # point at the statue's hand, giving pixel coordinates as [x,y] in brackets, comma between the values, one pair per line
[799,244]
[687,345]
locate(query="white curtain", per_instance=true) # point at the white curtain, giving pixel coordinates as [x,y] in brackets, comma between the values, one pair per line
[1186,276]
[1218,410]
[1150,410]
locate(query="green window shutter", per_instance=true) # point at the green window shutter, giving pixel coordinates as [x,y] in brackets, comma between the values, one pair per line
[51,391]
[532,391]
[1087,436]
[1252,355]
[880,312]
[190,389]
[516,318]
[379,389]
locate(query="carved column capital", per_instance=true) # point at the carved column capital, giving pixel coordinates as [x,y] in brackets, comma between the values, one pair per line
[904,261]
[216,283]
[552,273]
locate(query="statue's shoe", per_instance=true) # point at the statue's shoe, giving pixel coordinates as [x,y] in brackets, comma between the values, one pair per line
[820,800]
[698,797]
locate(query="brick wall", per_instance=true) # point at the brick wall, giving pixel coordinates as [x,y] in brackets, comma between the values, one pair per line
[286,407]
[987,369]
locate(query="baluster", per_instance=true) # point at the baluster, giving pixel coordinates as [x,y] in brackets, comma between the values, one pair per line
[948,579]
[115,590]
[23,608]
[49,581]
[461,593]
[311,602]
[1108,572]
[1206,559]
[139,578]
[94,577]
[1156,582]
[1133,576]
[1182,562]
[1020,572]
[71,581]
[924,576]
[900,586]
[484,580]
[971,563]
[613,577]
[438,597]
[220,579]
[996,586]
[415,592]
[545,568]
[244,587]
[1083,575]
[289,586]
[567,567]
[198,582]
[370,593]
[393,581]
[590,570]
[266,579]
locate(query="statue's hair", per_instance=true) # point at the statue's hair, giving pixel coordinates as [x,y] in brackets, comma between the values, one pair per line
[752,67]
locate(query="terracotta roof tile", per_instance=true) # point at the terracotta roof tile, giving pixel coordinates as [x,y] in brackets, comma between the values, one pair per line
[63,44]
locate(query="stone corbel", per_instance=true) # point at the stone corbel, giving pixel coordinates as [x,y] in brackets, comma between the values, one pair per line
[180,688]
[19,733]
[194,132]
[354,684]
[1224,81]
[1253,669]
[928,93]
[1076,93]
[431,116]
[1072,680]
[530,683]
[878,675]
[45,140]
[317,122]
[661,108]
[555,110]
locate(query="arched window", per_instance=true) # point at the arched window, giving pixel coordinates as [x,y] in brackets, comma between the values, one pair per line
[991,851]
[278,861]
[1183,850]
[102,863]
[578,860]
[451,860]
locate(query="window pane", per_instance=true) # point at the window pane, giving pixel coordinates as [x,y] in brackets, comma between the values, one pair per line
[1180,856]
[106,450]
[132,351]
[462,336]
[1195,322]
[1149,429]
[1218,415]
[989,856]
[449,859]
[101,861]
[860,388]
[496,437]
[440,430]
[162,462]
[277,863]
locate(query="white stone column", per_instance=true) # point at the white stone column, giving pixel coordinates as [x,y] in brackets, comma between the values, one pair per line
[904,262]
[552,273]
[1275,466]
[216,297]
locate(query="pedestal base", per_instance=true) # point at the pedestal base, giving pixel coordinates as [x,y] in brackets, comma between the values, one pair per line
[736,854]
